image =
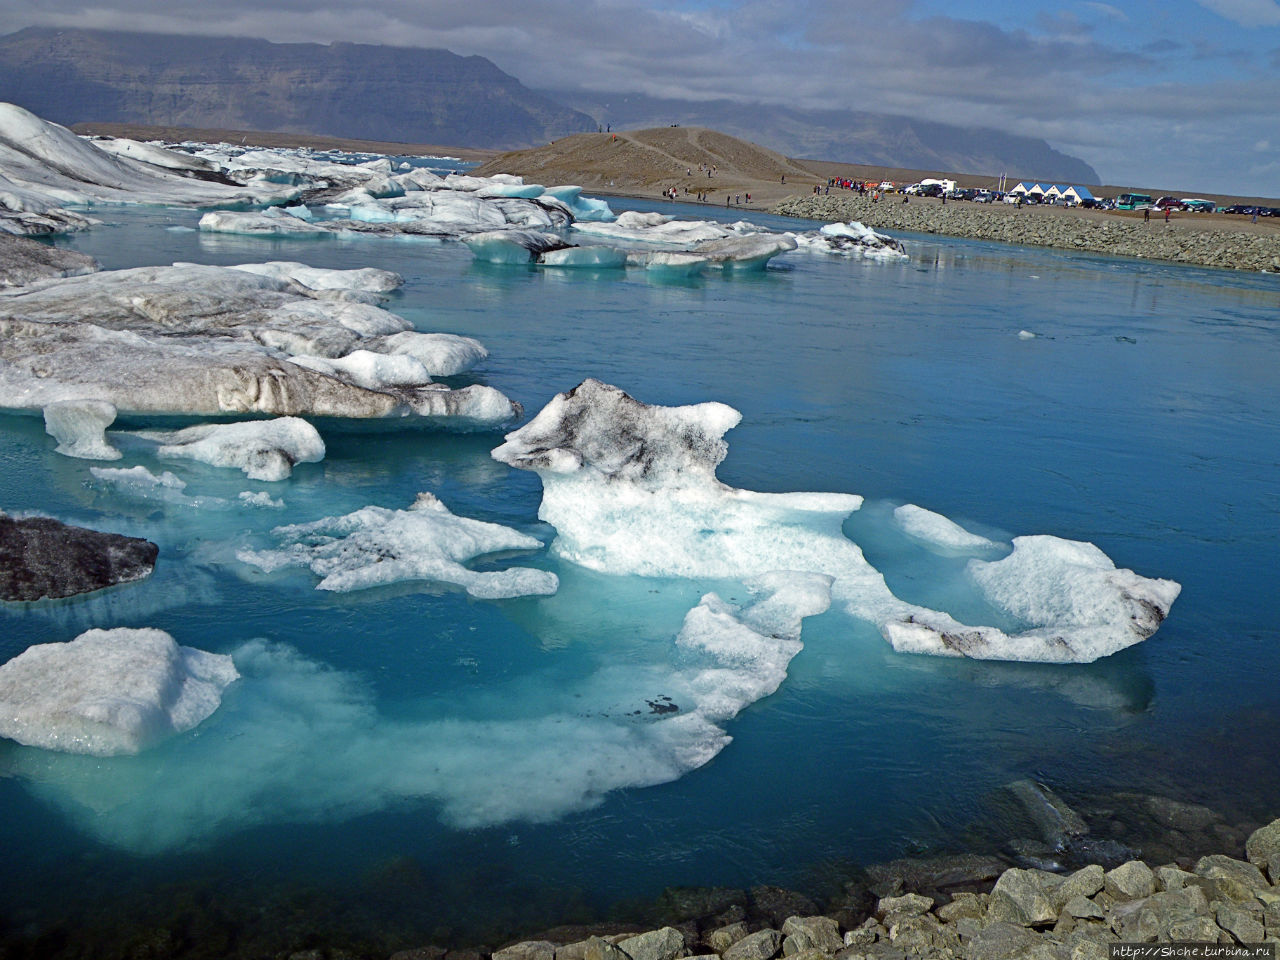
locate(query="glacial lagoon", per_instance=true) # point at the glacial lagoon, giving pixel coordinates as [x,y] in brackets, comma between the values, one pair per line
[417,761]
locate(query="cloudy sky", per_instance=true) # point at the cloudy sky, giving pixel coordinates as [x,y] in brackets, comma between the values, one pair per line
[1170,93]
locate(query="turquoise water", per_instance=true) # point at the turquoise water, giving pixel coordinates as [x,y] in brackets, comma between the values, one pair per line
[351,770]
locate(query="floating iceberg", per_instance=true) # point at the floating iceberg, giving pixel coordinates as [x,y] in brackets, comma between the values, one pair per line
[631,489]
[751,251]
[199,340]
[656,228]
[263,449]
[273,222]
[46,161]
[80,427]
[851,240]
[512,246]
[109,692]
[597,257]
[376,546]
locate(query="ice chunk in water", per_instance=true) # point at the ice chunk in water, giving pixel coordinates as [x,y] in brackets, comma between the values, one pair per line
[376,546]
[598,257]
[109,692]
[80,427]
[631,489]
[937,530]
[263,449]
[442,354]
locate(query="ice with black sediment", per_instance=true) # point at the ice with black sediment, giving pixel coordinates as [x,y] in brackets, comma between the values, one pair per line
[631,489]
[202,341]
[109,692]
[376,546]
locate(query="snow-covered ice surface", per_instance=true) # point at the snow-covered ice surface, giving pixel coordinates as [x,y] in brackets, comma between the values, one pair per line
[376,546]
[109,692]
[199,340]
[631,489]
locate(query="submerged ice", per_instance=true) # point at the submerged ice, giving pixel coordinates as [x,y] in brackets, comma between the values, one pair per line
[297,741]
[631,489]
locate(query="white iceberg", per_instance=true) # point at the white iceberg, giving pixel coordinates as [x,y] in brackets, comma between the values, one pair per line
[273,222]
[109,692]
[598,257]
[80,427]
[851,239]
[751,251]
[376,546]
[631,489]
[441,354]
[263,449]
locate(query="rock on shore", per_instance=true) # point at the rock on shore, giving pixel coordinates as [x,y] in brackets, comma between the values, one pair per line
[1231,249]
[1027,913]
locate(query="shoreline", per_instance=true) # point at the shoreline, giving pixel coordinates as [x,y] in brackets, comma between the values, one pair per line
[1181,240]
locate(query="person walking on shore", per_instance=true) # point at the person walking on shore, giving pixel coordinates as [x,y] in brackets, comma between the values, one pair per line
[1146,215]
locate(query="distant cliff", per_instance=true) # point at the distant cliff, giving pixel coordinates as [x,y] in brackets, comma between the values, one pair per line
[395,94]
[847,136]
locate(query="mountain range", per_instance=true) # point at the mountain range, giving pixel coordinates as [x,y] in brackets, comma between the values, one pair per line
[403,94]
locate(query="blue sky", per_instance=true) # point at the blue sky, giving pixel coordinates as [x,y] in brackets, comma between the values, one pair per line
[1179,94]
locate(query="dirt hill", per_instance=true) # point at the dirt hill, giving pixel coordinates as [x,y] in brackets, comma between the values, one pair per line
[646,162]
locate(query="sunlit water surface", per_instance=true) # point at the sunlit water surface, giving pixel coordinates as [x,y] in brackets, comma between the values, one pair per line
[374,734]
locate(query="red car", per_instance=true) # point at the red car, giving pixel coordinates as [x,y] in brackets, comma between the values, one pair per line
[1169,203]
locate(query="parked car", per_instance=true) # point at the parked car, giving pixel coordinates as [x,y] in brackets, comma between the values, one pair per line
[963,193]
[1168,203]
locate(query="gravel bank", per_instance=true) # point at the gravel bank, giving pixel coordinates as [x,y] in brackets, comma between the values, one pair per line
[1182,241]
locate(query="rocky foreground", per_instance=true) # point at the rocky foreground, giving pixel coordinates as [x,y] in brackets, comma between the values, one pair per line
[1182,241]
[1028,913]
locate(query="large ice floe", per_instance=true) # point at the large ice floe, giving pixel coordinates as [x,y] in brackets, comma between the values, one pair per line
[276,339]
[631,489]
[44,167]
[109,692]
[375,546]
